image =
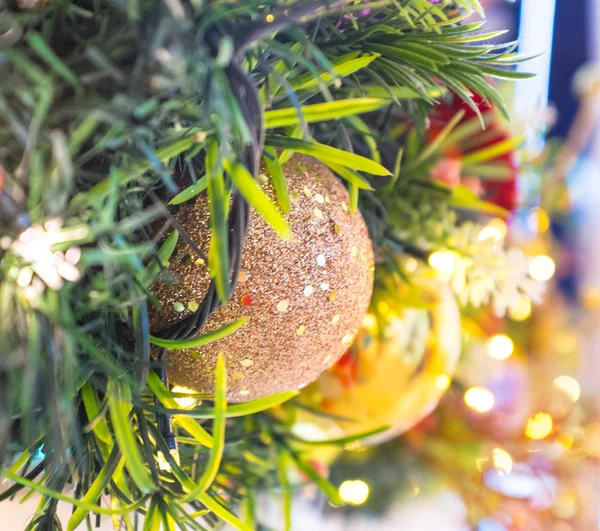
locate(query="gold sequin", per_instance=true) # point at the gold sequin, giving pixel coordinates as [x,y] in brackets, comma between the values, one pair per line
[308,291]
[347,339]
[243,276]
[237,375]
[307,191]
[282,306]
[193,306]
[319,199]
[337,229]
[244,392]
[294,197]
[344,207]
[262,179]
[324,286]
[321,260]
[200,262]
[246,363]
[354,251]
[328,199]
[300,330]
[336,319]
[318,213]
[332,296]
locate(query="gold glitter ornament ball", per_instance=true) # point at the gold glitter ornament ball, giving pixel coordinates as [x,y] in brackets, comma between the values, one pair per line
[304,297]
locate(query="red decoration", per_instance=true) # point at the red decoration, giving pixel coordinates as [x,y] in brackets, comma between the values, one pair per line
[500,192]
[246,300]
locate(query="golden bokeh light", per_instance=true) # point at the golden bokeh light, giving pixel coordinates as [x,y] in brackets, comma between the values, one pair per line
[442,382]
[539,426]
[500,347]
[480,399]
[521,311]
[354,492]
[444,263]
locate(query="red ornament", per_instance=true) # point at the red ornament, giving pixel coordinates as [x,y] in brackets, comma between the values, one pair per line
[246,300]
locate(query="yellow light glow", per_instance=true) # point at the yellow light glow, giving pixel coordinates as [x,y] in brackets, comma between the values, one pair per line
[591,440]
[539,426]
[354,492]
[566,440]
[490,232]
[521,311]
[538,220]
[411,264]
[542,268]
[500,347]
[500,225]
[590,297]
[369,322]
[502,461]
[444,262]
[184,402]
[569,386]
[480,399]
[442,382]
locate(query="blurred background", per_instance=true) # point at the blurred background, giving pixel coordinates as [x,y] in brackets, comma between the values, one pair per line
[515,442]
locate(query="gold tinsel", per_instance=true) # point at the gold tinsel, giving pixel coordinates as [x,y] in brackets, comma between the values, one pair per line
[305,297]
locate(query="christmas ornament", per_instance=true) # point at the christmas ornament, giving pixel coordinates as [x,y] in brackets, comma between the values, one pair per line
[395,372]
[304,297]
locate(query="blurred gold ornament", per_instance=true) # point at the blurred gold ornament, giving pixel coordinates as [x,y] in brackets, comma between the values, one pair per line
[305,298]
[395,372]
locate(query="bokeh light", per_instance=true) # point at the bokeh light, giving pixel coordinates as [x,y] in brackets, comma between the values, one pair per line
[442,382]
[354,492]
[521,311]
[542,268]
[502,461]
[480,399]
[539,426]
[500,347]
[538,220]
[444,262]
[569,386]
